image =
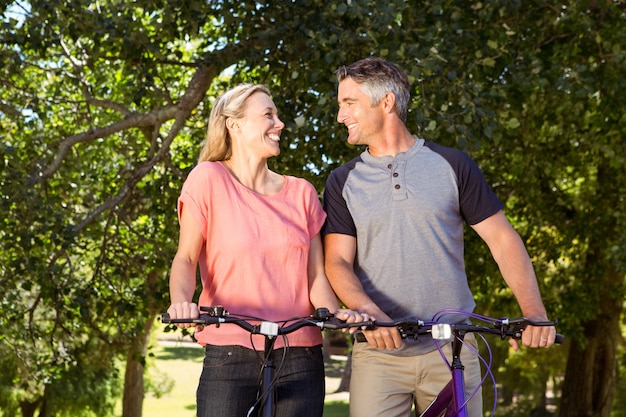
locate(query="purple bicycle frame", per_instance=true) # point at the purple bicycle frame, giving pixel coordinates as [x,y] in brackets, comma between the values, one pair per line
[451,399]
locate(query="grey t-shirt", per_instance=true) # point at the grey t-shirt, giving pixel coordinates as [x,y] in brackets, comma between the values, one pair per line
[407,213]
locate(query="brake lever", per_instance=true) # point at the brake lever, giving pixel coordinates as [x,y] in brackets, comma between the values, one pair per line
[512,327]
[516,326]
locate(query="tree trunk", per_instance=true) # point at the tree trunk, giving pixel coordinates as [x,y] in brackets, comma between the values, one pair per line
[28,408]
[326,350]
[134,390]
[541,410]
[590,374]
[132,404]
[344,384]
[43,410]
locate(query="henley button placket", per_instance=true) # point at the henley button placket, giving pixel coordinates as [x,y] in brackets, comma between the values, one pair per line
[399,189]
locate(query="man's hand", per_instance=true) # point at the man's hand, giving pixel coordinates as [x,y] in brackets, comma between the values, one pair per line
[536,336]
[387,338]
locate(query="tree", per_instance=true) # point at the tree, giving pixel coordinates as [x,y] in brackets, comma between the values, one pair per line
[90,202]
[104,105]
[568,157]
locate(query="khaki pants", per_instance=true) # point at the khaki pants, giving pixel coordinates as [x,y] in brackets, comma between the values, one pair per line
[384,385]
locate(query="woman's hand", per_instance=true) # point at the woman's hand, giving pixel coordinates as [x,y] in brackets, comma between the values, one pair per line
[351,316]
[185,310]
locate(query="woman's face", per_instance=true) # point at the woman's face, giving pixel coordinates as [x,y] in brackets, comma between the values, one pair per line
[260,127]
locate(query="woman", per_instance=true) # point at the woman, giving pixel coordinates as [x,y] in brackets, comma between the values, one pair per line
[255,235]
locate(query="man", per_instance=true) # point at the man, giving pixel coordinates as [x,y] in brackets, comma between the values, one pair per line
[394,244]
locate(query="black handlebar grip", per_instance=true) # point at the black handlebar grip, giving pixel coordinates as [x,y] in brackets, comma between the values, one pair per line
[559,338]
[165,318]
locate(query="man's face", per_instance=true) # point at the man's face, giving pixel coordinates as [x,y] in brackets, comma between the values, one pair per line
[363,120]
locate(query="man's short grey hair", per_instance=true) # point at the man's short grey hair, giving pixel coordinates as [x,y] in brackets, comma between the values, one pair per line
[377,77]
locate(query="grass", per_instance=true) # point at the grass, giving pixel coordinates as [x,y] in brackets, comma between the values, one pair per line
[336,409]
[174,372]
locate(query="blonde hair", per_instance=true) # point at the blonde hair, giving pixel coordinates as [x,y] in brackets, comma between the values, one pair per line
[217,145]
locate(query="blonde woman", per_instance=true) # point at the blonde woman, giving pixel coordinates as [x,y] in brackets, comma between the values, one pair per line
[254,234]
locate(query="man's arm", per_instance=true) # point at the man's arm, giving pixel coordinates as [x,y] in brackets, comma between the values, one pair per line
[340,251]
[510,254]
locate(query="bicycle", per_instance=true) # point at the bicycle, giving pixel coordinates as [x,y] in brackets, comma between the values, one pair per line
[451,401]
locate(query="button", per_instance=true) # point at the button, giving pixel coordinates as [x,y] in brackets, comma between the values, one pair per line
[397,186]
[389,166]
[395,174]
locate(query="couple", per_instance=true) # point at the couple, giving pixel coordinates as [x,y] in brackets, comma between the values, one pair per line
[392,225]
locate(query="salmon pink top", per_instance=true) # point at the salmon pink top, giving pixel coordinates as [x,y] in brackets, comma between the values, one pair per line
[255,256]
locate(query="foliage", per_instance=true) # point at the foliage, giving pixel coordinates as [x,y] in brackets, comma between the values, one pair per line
[103,106]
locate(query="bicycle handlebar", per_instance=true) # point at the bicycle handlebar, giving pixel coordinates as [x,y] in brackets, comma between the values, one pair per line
[413,328]
[217,315]
[322,318]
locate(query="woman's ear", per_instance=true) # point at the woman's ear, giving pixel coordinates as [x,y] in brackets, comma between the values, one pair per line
[232,124]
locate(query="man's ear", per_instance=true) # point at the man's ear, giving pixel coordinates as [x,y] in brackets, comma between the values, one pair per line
[389,102]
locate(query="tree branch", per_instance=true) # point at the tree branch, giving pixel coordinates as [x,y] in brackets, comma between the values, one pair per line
[193,96]
[134,120]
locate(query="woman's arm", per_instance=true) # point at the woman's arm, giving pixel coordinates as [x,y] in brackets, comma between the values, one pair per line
[320,292]
[183,272]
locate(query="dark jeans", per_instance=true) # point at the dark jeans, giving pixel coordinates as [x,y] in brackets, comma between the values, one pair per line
[230,380]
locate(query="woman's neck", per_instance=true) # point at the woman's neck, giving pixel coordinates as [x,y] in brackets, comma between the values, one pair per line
[256,177]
